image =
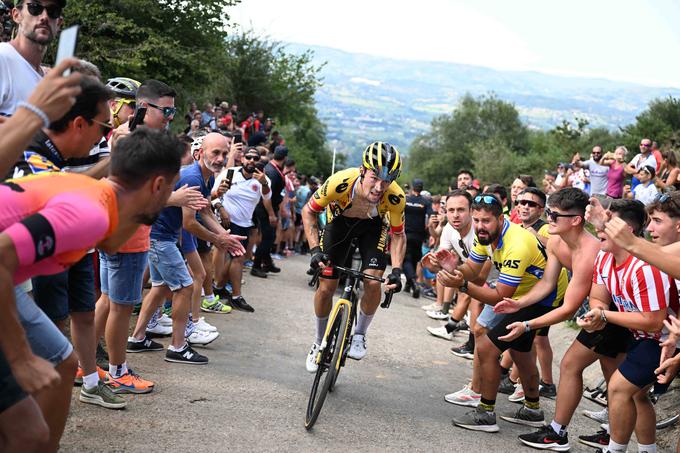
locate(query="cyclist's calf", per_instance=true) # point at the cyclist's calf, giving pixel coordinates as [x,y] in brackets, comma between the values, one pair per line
[371,297]
[323,298]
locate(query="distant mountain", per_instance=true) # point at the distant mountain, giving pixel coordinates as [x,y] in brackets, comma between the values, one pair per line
[367,98]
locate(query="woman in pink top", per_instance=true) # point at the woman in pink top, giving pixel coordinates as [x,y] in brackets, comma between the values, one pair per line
[616,173]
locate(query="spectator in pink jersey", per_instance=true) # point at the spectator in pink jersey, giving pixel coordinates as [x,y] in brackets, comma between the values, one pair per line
[644,296]
[616,174]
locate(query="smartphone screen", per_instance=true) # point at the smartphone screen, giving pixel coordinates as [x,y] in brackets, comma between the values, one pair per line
[67,45]
[238,138]
[230,175]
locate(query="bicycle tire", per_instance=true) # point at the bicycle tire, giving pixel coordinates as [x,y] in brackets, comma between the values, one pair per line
[667,422]
[342,358]
[329,357]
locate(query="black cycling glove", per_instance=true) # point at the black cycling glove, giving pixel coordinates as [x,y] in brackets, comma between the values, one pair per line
[394,278]
[318,257]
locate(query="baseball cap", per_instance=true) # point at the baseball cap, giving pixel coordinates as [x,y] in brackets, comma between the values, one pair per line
[418,184]
[280,152]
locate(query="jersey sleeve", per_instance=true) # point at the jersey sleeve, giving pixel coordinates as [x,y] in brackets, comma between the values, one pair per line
[479,252]
[332,189]
[651,289]
[396,201]
[514,264]
[543,231]
[598,268]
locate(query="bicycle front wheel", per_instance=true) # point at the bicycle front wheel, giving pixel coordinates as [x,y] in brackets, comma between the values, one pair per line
[328,366]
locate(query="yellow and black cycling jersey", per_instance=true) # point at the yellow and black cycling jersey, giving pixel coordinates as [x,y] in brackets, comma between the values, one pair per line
[337,194]
[520,259]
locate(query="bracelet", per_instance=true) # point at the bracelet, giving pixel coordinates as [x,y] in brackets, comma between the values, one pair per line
[37,111]
[527,329]
[602,316]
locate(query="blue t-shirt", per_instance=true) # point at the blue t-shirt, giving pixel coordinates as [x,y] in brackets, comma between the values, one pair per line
[169,223]
[301,197]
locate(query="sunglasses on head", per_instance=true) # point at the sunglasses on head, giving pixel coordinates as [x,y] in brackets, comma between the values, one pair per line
[531,204]
[554,216]
[168,112]
[252,157]
[36,9]
[486,199]
[665,198]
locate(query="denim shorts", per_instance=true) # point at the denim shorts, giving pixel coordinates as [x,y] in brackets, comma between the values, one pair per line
[43,335]
[167,267]
[70,291]
[488,319]
[121,276]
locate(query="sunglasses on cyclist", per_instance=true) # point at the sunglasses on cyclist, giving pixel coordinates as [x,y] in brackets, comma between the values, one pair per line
[36,9]
[252,157]
[531,204]
[554,216]
[168,112]
[486,199]
[106,127]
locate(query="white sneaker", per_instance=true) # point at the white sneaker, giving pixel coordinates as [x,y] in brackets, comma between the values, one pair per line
[599,416]
[437,314]
[357,350]
[464,397]
[159,329]
[433,306]
[202,324]
[311,358]
[518,395]
[165,320]
[440,332]
[201,337]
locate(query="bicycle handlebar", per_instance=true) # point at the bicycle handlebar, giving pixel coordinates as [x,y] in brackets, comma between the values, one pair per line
[357,274]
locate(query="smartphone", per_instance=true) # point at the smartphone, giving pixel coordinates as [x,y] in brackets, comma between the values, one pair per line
[67,45]
[138,118]
[238,137]
[230,175]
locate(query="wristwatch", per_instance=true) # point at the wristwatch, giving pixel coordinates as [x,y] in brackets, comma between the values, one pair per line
[464,287]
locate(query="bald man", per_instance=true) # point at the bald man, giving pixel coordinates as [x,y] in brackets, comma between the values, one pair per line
[170,277]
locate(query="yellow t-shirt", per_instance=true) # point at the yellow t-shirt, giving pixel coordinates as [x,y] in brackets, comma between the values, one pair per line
[337,193]
[520,259]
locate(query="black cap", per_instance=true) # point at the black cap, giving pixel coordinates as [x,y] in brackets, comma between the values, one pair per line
[418,184]
[280,152]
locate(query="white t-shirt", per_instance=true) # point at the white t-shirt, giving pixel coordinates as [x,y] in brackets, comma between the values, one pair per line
[451,240]
[640,161]
[242,198]
[17,79]
[646,193]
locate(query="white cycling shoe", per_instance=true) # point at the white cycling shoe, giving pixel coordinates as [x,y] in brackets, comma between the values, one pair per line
[311,358]
[357,350]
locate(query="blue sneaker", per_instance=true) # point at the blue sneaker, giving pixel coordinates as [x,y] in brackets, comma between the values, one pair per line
[248,264]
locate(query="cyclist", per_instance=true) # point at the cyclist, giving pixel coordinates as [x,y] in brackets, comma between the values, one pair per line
[360,203]
[123,105]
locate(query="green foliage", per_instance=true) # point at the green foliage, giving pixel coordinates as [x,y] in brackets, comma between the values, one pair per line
[660,122]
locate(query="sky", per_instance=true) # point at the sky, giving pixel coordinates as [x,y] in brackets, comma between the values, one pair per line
[629,40]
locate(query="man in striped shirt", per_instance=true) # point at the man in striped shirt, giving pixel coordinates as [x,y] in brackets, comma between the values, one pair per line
[643,296]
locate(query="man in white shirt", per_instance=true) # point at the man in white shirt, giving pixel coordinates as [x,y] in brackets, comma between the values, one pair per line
[646,191]
[248,185]
[38,23]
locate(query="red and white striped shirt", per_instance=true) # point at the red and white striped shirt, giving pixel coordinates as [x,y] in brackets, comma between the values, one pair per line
[636,286]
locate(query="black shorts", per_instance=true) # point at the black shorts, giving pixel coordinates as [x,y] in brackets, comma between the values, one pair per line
[203,246]
[298,219]
[238,230]
[524,342]
[371,237]
[10,392]
[609,342]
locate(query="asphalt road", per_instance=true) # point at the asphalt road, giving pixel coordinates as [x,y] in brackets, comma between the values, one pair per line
[253,394]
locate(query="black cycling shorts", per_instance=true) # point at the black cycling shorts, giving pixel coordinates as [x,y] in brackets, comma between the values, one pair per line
[524,342]
[609,342]
[371,237]
[10,392]
[203,246]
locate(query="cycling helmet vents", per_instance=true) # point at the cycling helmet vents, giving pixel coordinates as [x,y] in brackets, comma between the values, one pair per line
[124,87]
[383,159]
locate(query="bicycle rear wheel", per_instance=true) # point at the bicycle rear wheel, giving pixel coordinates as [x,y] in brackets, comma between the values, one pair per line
[327,372]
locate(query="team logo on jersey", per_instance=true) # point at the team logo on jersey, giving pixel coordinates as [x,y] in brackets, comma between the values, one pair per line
[324,189]
[254,187]
[38,163]
[342,186]
[394,199]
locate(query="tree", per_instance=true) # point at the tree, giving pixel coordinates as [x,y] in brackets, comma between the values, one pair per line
[660,122]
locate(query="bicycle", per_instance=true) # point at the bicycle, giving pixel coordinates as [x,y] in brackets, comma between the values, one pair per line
[337,339]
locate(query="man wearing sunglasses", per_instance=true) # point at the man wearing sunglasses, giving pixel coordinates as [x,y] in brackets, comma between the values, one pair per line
[644,158]
[520,259]
[531,202]
[249,185]
[38,22]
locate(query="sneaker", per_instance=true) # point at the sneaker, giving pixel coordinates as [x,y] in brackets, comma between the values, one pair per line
[78,380]
[526,416]
[416,292]
[256,272]
[546,439]
[167,310]
[464,397]
[547,390]
[277,256]
[240,303]
[506,386]
[222,294]
[464,351]
[215,307]
[433,307]
[430,294]
[103,396]
[440,332]
[130,382]
[271,268]
[518,395]
[202,324]
[165,320]
[310,363]
[158,330]
[357,350]
[599,416]
[248,264]
[438,315]
[597,440]
[478,420]
[146,345]
[462,327]
[201,337]
[187,356]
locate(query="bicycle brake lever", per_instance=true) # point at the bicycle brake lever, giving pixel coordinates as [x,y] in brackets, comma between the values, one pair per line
[388,300]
